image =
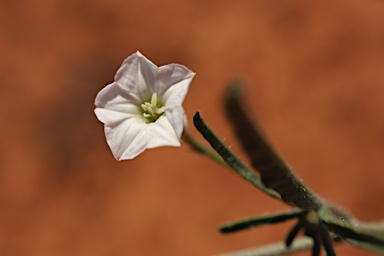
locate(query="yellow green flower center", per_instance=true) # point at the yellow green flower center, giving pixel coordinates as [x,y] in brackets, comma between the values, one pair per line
[152,109]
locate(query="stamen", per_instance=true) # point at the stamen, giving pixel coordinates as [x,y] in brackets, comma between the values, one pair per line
[144,107]
[154,100]
[151,110]
[160,111]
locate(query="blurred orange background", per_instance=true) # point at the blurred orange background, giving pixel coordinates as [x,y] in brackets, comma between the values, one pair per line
[315,75]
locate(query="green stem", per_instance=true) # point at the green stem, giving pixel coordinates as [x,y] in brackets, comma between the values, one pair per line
[277,249]
[202,149]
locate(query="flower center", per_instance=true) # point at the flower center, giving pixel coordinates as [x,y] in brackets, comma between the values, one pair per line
[152,110]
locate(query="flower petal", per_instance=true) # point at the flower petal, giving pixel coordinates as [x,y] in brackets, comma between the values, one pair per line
[175,94]
[170,75]
[111,117]
[161,133]
[113,97]
[137,75]
[176,118]
[121,135]
[157,134]
[147,73]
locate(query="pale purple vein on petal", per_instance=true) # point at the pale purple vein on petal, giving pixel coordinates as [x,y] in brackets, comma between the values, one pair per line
[127,75]
[146,76]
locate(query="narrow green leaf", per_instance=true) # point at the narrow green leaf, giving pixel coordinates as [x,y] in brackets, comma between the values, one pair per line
[230,158]
[368,236]
[293,233]
[275,173]
[366,246]
[317,243]
[357,236]
[260,220]
[327,241]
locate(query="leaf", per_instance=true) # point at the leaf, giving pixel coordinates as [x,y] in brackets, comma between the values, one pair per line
[277,180]
[275,173]
[231,159]
[260,220]
[367,236]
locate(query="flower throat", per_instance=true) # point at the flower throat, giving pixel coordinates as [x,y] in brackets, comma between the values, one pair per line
[153,110]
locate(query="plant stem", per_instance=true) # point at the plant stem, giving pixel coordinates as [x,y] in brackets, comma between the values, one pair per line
[275,249]
[202,149]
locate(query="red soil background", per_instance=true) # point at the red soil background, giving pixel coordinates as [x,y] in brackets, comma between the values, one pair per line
[315,76]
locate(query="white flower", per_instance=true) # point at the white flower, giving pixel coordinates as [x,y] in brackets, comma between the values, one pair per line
[142,108]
